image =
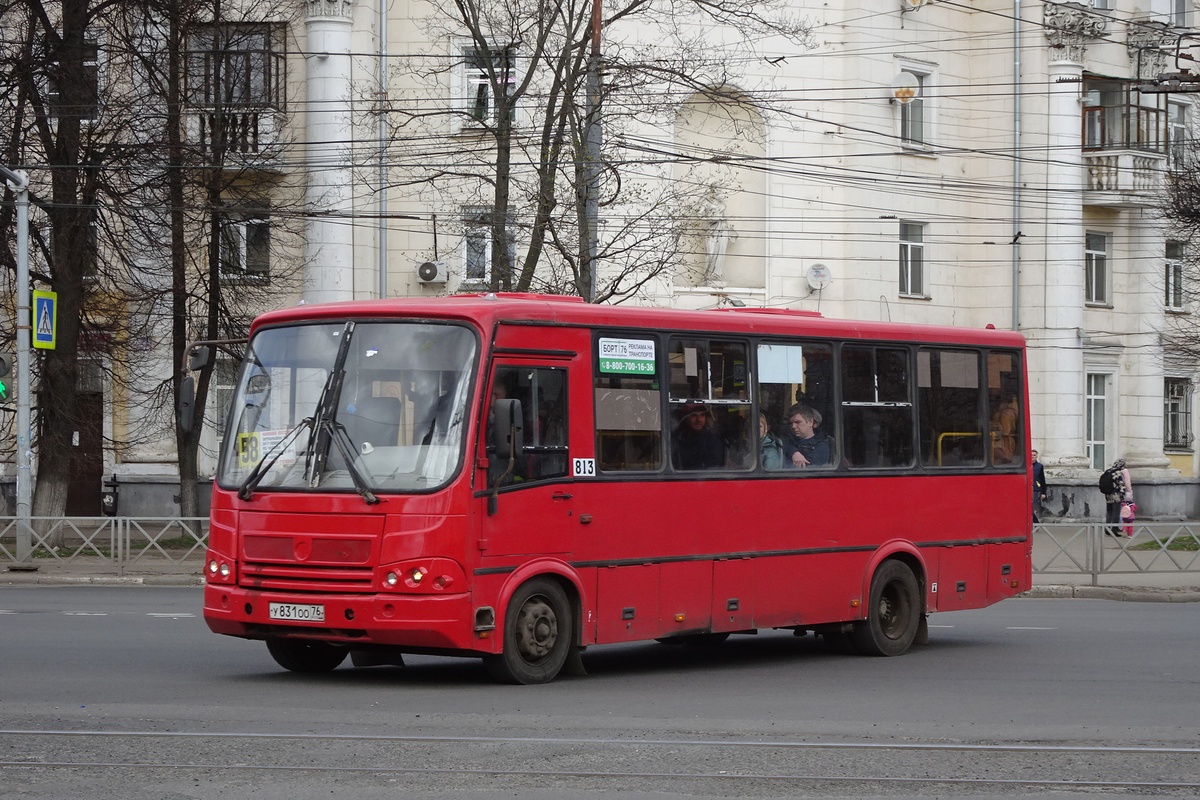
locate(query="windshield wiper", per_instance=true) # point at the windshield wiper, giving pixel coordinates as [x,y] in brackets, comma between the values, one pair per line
[327,431]
[337,433]
[246,490]
[318,443]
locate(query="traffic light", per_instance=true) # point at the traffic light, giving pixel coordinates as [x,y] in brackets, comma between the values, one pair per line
[5,368]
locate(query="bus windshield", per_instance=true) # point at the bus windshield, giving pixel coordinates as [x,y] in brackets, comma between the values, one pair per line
[349,406]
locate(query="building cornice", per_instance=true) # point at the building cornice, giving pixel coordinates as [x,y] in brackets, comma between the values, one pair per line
[1149,44]
[1068,27]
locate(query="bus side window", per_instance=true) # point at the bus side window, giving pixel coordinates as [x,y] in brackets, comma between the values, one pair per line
[951,407]
[791,375]
[710,404]
[627,395]
[1004,410]
[877,410]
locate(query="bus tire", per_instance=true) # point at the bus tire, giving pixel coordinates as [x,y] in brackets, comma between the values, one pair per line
[893,612]
[298,655]
[537,635]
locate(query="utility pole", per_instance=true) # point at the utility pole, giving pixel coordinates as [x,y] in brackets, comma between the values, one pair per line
[18,183]
[594,137]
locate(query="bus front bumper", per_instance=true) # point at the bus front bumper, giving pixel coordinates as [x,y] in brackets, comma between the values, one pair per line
[441,622]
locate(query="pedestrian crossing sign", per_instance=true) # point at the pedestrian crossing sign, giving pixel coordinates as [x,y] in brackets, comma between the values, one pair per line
[45,319]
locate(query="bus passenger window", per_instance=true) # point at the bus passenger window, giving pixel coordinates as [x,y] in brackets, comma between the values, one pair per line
[877,412]
[795,398]
[1004,411]
[710,405]
[950,406]
[628,405]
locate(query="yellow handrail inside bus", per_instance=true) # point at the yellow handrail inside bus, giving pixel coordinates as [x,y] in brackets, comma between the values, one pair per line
[955,435]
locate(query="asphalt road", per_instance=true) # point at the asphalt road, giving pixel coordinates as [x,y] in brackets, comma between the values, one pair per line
[123,692]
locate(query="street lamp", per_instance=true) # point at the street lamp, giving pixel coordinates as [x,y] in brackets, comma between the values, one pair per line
[18,183]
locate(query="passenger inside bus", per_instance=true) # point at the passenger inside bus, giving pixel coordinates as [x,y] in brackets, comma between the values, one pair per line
[1004,431]
[695,444]
[770,448]
[806,446]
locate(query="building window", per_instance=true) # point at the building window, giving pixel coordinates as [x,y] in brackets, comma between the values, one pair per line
[912,259]
[478,69]
[235,66]
[477,246]
[1096,422]
[1096,269]
[1173,277]
[912,113]
[87,101]
[1181,13]
[1177,413]
[246,249]
[1177,133]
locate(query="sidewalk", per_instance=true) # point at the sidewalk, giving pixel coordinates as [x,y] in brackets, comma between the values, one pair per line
[1155,587]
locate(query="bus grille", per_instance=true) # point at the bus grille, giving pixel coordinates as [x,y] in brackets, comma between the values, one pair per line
[304,577]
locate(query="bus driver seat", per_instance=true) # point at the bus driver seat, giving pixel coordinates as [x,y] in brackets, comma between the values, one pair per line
[373,421]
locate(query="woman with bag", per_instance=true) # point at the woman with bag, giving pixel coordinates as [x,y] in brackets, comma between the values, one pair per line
[1118,489]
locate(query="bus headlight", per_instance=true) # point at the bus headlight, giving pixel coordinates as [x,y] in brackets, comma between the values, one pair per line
[391,579]
[219,570]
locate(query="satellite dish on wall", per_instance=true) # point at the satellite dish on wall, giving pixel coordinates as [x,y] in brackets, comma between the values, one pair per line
[819,277]
[905,88]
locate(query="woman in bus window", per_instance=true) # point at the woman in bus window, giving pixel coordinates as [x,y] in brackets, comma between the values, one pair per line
[770,449]
[806,447]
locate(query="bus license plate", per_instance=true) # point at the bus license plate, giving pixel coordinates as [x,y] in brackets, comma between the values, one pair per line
[296,612]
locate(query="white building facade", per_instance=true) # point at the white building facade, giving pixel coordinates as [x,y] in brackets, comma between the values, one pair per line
[961,163]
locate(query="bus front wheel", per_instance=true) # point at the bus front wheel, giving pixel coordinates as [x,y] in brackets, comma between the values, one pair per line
[301,656]
[893,612]
[537,635]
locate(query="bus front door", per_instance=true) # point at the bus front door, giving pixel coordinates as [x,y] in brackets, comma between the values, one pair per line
[529,507]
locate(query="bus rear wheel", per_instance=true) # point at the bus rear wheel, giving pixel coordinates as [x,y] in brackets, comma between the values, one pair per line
[537,635]
[893,612]
[298,655]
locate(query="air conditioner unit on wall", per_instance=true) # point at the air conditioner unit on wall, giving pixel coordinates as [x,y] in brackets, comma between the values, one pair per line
[432,272]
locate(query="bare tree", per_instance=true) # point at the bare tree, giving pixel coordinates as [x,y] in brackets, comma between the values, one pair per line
[528,61]
[1181,279]
[136,137]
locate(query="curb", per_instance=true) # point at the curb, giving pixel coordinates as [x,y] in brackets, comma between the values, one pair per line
[1128,594]
[36,579]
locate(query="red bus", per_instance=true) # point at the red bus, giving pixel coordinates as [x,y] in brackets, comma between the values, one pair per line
[519,477]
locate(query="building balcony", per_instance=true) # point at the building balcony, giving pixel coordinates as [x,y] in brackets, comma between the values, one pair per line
[238,138]
[1123,178]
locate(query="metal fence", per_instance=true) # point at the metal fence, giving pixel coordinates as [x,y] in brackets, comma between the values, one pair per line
[177,544]
[169,544]
[1136,548]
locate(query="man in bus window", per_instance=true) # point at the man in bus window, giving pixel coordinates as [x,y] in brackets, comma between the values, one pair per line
[806,446]
[695,444]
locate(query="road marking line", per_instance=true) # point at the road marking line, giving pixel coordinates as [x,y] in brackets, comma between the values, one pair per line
[85,613]
[173,615]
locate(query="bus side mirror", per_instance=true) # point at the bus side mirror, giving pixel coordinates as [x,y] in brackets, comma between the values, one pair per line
[198,357]
[509,434]
[187,403]
[507,441]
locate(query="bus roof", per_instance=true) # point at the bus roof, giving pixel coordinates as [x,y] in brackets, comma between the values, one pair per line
[489,309]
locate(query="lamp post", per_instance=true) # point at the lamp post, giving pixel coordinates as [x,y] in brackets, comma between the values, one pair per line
[18,182]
